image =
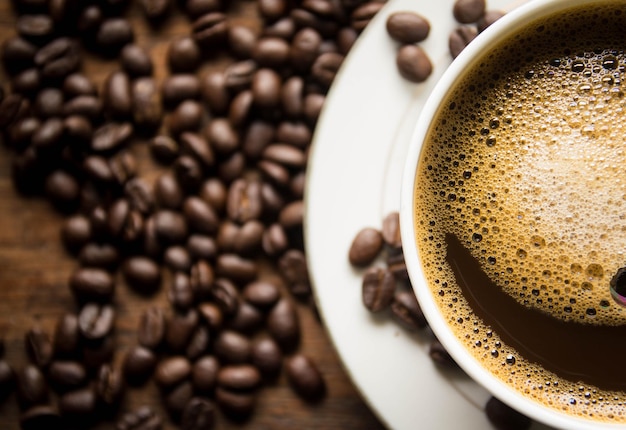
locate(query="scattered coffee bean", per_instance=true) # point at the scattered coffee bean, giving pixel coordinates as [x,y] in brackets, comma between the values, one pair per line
[406,310]
[151,330]
[136,61]
[183,55]
[89,284]
[39,346]
[460,38]
[138,365]
[391,230]
[32,388]
[468,11]
[305,378]
[407,27]
[283,324]
[142,418]
[267,357]
[142,274]
[204,373]
[378,288]
[365,247]
[413,63]
[237,406]
[487,19]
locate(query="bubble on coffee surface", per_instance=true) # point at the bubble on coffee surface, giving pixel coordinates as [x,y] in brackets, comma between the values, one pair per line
[525,168]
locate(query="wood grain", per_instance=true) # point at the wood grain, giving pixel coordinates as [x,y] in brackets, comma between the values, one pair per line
[34,269]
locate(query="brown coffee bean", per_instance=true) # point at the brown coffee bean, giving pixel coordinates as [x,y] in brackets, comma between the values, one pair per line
[226,297]
[238,406]
[177,258]
[199,343]
[147,111]
[272,52]
[247,319]
[151,330]
[113,34]
[201,247]
[138,364]
[189,172]
[49,102]
[468,11]
[271,199]
[293,268]
[295,133]
[86,106]
[292,96]
[199,414]
[142,418]
[363,14]
[187,116]
[96,321]
[136,61]
[305,47]
[240,109]
[232,347]
[440,355]
[63,190]
[365,247]
[266,85]
[488,18]
[183,55]
[142,274]
[241,40]
[180,293]
[92,284]
[200,216]
[12,108]
[164,149]
[204,373]
[66,336]
[274,240]
[391,230]
[79,403]
[222,136]
[460,38]
[236,268]
[140,195]
[117,95]
[172,371]
[17,54]
[413,63]
[407,27]
[244,201]
[326,67]
[109,385]
[272,10]
[283,324]
[39,346]
[305,378]
[210,30]
[155,10]
[396,264]
[77,84]
[31,386]
[35,28]
[111,136]
[378,288]
[180,328]
[171,227]
[40,417]
[258,135]
[48,138]
[66,375]
[267,357]
[406,310]
[502,416]
[239,377]
[179,87]
[197,8]
[27,82]
[215,92]
[177,398]
[168,192]
[202,278]
[284,154]
[90,20]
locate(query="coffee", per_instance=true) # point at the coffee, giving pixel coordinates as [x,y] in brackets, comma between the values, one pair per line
[519,213]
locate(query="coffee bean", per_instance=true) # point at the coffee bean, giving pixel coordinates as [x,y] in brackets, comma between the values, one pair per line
[272,52]
[31,386]
[292,96]
[27,82]
[232,347]
[413,63]
[172,371]
[92,284]
[79,403]
[396,264]
[66,336]
[391,230]
[345,39]
[151,330]
[326,67]
[189,172]
[168,192]
[177,398]
[236,268]
[210,30]
[18,54]
[62,190]
[202,278]
[283,324]
[155,10]
[171,226]
[111,136]
[204,373]
[117,95]
[198,147]
[164,149]
[365,247]
[237,406]
[305,378]
[407,27]
[406,310]
[142,418]
[179,87]
[77,84]
[96,321]
[211,315]
[90,20]
[267,357]
[58,59]
[200,216]
[138,365]
[460,38]
[40,417]
[502,416]
[271,199]
[76,232]
[487,19]
[142,274]
[440,355]
[272,10]
[139,194]
[180,293]
[225,296]
[266,85]
[48,138]
[86,106]
[199,414]
[240,377]
[284,28]
[258,135]
[293,269]
[214,92]
[363,14]
[177,258]
[274,240]
[199,343]
[241,40]
[147,109]
[109,385]
[12,109]
[295,133]
[124,166]
[247,319]
[244,201]
[305,47]
[468,11]
[49,102]
[113,34]
[35,28]
[197,8]
[378,289]
[183,55]
[201,246]
[39,346]
[240,109]
[66,375]
[180,327]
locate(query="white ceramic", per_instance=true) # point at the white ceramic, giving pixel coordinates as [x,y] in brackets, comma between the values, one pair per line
[499,30]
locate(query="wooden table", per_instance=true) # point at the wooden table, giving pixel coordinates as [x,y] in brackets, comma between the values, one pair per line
[34,269]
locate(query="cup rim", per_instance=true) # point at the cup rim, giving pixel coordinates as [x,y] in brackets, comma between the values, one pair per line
[502,28]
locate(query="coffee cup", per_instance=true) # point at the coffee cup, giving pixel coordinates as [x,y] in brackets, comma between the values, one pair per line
[512,211]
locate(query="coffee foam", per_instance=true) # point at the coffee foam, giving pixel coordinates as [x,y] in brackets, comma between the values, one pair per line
[525,167]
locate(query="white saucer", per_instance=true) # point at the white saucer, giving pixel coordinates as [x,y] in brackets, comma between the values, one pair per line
[353,181]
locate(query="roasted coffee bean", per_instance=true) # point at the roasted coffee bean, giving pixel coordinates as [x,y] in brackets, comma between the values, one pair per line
[272,52]
[12,108]
[66,336]
[214,92]
[171,226]
[139,194]
[86,106]
[177,258]
[200,216]
[90,20]
[204,373]
[152,245]
[238,377]
[274,172]
[97,169]
[138,364]
[35,28]
[189,172]
[272,10]
[214,192]
[407,27]
[225,295]
[151,330]
[295,133]
[237,406]
[18,54]
[231,167]
[118,101]
[197,146]
[227,235]
[177,398]
[92,284]
[244,201]
[365,247]
[292,215]
[241,40]
[305,378]
[298,184]
[378,288]
[197,8]
[142,418]
[111,136]
[406,310]
[109,385]
[172,371]
[248,238]
[284,28]
[396,264]
[305,48]
[274,240]
[113,34]
[147,111]
[199,414]
[271,199]
[283,324]
[293,96]
[142,274]
[124,166]
[210,30]
[232,347]
[168,193]
[201,247]
[62,190]
[96,321]
[487,19]
[180,293]
[202,278]
[7,379]
[164,149]
[460,38]
[180,327]
[247,319]
[31,386]
[22,131]
[155,10]
[58,59]
[440,356]
[183,55]
[49,102]
[391,230]
[293,268]
[345,39]
[468,11]
[503,417]
[304,18]
[125,223]
[326,67]
[39,346]
[78,84]
[211,314]
[40,417]
[76,232]
[48,138]
[186,117]
[222,136]
[240,109]
[179,87]
[267,357]
[236,268]
[258,135]
[66,375]
[363,14]
[78,403]
[199,343]
[238,76]
[266,85]
[413,63]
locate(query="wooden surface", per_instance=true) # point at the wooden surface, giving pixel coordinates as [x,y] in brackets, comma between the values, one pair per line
[34,269]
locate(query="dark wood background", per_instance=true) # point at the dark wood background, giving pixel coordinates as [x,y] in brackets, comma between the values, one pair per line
[34,269]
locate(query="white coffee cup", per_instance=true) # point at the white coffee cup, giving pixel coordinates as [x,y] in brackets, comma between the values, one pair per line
[500,30]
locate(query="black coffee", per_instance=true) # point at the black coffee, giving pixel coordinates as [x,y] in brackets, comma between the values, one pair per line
[521,208]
